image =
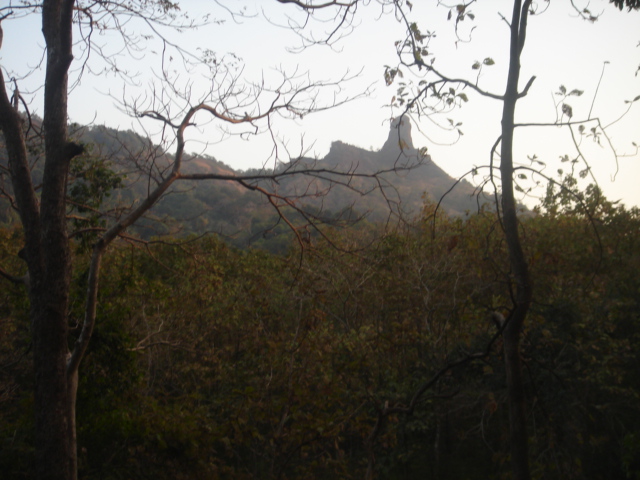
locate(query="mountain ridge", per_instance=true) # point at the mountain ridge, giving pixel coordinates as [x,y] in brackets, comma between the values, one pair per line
[396,179]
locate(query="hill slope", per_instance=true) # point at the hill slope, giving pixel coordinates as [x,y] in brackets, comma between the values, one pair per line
[395,180]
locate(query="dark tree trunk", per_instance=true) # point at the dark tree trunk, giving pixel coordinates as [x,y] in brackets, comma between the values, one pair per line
[53,448]
[517,260]
[47,246]
[50,293]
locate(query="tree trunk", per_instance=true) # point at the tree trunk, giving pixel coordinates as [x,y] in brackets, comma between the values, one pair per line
[52,444]
[517,260]
[50,290]
[47,247]
[48,267]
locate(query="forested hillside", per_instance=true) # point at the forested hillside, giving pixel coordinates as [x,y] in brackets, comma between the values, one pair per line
[244,217]
[212,362]
[382,358]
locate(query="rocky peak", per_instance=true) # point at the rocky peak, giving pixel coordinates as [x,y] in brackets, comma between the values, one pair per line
[399,135]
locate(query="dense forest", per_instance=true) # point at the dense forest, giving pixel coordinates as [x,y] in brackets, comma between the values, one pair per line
[379,358]
[361,316]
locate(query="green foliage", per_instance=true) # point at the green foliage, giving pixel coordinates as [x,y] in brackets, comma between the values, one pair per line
[16,382]
[211,362]
[92,181]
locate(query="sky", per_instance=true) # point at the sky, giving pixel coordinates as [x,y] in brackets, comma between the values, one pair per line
[561,49]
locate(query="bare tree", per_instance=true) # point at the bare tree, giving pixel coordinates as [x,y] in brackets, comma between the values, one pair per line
[44,209]
[437,92]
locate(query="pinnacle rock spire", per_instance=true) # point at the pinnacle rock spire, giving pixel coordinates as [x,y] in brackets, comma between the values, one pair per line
[400,135]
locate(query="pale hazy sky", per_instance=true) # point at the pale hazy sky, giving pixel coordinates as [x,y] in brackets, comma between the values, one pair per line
[560,49]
